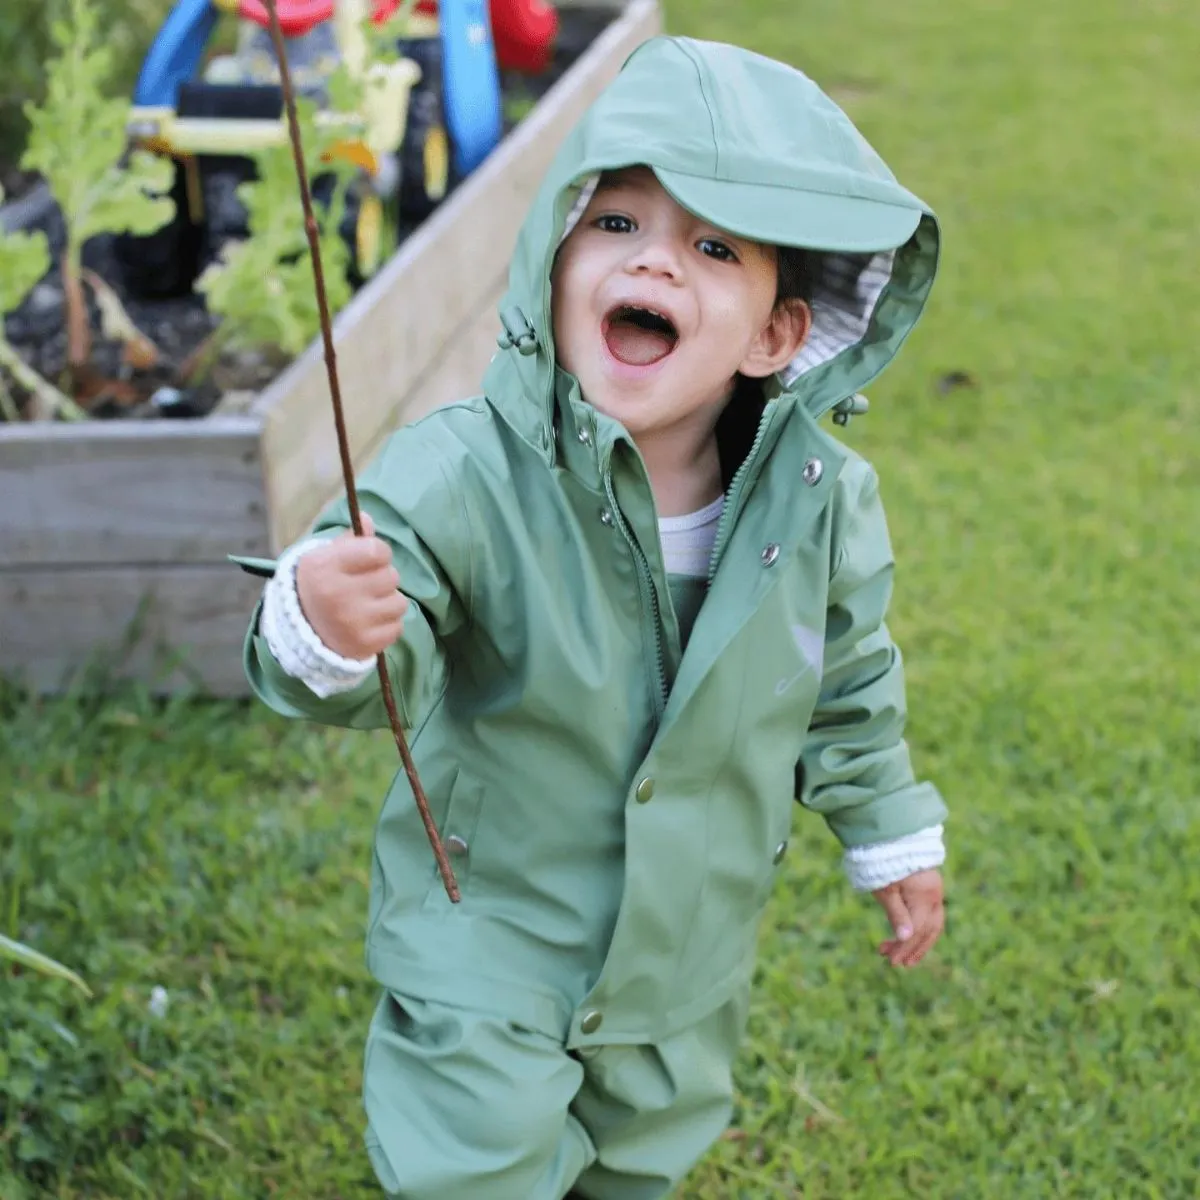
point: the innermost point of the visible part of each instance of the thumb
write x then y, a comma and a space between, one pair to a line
897, 911
368, 526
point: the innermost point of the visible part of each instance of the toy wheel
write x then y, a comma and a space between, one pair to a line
363, 227
425, 153
369, 236
164, 263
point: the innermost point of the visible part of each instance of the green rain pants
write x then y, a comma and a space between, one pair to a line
463, 1105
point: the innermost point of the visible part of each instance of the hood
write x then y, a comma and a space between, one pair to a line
756, 148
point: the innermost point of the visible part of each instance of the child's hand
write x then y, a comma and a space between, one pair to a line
348, 592
914, 907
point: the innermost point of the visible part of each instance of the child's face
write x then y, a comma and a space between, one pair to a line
656, 311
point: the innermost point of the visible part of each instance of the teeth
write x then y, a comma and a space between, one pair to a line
647, 318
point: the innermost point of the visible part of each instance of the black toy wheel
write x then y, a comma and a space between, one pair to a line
164, 263
425, 153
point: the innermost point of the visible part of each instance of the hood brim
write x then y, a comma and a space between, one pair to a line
784, 216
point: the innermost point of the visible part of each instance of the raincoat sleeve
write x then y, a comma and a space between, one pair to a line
855, 769
417, 511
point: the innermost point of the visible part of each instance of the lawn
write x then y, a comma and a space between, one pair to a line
1039, 443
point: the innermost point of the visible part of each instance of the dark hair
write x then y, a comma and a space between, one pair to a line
737, 426
797, 273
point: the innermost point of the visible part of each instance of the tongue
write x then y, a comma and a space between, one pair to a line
635, 346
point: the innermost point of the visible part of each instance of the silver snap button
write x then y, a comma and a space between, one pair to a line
813, 470
606, 518
780, 851
770, 554
456, 845
585, 437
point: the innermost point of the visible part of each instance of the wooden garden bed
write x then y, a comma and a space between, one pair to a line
113, 535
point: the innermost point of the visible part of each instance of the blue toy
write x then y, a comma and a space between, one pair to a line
471, 82
174, 58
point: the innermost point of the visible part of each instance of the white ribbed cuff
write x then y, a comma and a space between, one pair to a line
881, 863
293, 641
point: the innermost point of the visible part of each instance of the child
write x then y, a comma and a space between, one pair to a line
641, 607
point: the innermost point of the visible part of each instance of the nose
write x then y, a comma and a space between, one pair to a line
658, 258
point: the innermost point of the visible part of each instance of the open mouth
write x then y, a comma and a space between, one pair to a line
639, 337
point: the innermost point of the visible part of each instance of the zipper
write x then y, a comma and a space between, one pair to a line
646, 586
733, 498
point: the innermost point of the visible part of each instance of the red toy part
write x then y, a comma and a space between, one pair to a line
298, 17
524, 32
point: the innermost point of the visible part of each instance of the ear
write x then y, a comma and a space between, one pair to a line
780, 339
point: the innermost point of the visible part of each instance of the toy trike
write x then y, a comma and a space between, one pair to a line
428, 116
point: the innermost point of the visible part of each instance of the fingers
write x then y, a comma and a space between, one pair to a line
378, 637
922, 895
912, 951
894, 905
381, 583
349, 591
368, 527
386, 610
361, 555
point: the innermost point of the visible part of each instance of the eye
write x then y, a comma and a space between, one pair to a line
715, 248
614, 223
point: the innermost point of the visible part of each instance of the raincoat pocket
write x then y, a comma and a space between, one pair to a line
458, 830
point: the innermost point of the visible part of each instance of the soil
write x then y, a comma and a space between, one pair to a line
14, 182
117, 389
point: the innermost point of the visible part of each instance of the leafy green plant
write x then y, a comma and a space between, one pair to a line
24, 259
77, 141
25, 46
262, 288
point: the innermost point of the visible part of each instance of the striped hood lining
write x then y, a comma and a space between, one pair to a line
845, 297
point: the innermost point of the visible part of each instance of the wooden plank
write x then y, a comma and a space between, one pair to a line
458, 375
404, 320
137, 491
53, 621
452, 377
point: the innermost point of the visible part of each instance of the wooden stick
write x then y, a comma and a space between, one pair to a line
339, 420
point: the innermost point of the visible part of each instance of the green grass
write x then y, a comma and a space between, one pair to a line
1046, 522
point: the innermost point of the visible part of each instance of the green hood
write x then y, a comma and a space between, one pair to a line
758, 149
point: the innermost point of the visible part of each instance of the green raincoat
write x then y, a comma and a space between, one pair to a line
623, 803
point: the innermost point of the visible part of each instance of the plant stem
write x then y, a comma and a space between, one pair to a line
8, 406
79, 335
196, 367
56, 402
